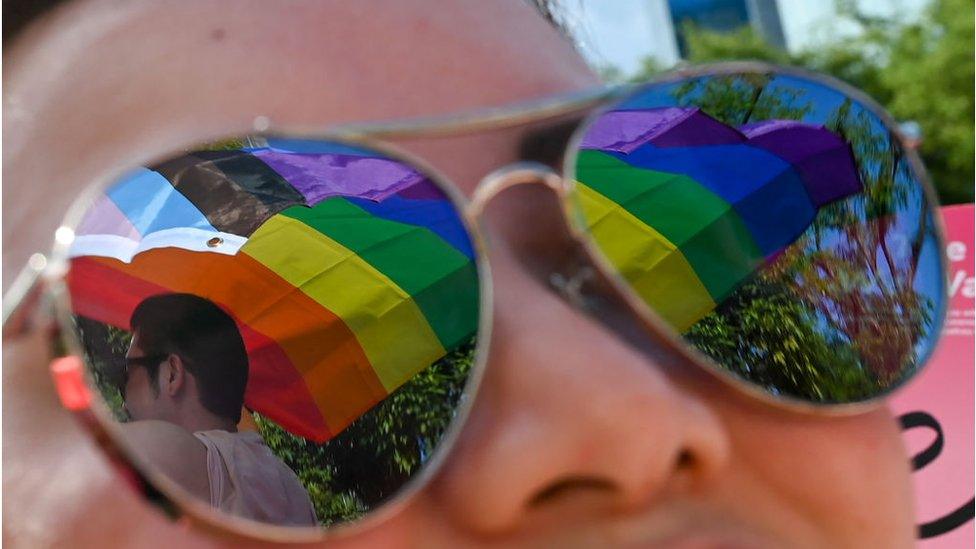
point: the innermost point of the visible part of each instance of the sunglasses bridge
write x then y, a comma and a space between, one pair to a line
512, 175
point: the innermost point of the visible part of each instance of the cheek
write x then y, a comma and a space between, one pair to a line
131, 388
847, 475
136, 394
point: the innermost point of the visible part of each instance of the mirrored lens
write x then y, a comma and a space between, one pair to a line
775, 222
306, 310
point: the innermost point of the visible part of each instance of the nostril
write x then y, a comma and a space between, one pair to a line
686, 461
568, 486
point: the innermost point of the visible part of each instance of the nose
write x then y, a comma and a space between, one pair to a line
569, 414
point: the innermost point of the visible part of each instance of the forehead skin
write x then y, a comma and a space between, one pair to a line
101, 86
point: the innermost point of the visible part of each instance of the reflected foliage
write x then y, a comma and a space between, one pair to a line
765, 333
864, 253
741, 99
104, 347
372, 458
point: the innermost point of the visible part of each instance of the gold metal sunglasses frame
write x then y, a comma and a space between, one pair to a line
47, 271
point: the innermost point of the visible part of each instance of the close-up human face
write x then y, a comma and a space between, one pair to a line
578, 435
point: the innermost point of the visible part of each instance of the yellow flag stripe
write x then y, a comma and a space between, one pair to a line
653, 265
390, 327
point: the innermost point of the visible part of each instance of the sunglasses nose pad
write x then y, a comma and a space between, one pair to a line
519, 173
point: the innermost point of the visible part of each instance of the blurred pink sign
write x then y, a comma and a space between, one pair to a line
937, 408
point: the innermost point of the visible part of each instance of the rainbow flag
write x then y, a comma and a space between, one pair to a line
346, 271
687, 208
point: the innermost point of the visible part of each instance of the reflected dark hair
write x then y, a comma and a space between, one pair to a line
17, 14
205, 338
550, 11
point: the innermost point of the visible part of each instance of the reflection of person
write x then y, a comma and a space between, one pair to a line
184, 390
575, 437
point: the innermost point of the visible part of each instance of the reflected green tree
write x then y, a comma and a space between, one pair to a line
378, 453
876, 303
767, 334
738, 100
104, 347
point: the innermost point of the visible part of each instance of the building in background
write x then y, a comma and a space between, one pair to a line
620, 34
725, 16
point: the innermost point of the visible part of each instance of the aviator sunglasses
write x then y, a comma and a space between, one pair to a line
766, 223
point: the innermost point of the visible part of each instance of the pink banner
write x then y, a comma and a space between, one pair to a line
937, 408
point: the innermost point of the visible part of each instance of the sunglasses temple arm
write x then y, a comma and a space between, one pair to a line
23, 296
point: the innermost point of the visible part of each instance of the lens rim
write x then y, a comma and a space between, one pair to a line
176, 501
661, 329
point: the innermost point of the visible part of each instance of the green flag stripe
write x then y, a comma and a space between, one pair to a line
707, 230
442, 280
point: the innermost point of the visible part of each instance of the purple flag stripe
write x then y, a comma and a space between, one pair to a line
423, 190
105, 217
625, 131
825, 162
320, 176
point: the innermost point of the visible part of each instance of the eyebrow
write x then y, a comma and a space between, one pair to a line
548, 144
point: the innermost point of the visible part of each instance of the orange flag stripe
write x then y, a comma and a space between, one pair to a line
340, 377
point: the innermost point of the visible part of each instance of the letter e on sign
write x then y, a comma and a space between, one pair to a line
956, 251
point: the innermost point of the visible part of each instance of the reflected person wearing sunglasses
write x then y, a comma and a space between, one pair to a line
588, 427
185, 405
